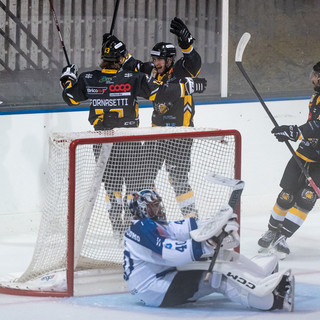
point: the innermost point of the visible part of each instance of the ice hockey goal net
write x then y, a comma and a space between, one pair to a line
77, 245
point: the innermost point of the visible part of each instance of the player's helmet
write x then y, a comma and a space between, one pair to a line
316, 70
113, 49
163, 50
147, 204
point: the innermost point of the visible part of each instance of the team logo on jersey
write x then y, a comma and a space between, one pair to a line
117, 90
88, 76
105, 79
120, 87
96, 90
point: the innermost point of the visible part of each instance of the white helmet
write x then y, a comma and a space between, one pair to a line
147, 204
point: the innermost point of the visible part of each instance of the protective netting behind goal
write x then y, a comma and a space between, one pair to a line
86, 209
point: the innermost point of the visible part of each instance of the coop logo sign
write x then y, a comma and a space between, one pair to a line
120, 89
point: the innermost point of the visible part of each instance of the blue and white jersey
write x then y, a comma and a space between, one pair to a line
151, 253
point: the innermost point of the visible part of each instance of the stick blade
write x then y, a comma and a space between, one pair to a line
225, 181
241, 46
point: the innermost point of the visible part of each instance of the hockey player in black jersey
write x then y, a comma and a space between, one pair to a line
297, 198
173, 113
113, 104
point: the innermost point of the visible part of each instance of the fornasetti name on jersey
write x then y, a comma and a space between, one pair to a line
109, 102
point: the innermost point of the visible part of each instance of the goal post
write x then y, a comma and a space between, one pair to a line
91, 175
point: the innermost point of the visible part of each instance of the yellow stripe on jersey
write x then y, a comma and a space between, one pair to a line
114, 71
188, 50
303, 157
73, 102
186, 118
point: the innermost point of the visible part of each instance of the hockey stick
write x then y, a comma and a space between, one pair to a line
114, 16
59, 32
238, 59
237, 186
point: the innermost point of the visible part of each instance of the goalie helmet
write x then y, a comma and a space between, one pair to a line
163, 50
147, 204
112, 49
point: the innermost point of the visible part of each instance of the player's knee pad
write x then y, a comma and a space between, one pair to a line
306, 199
285, 200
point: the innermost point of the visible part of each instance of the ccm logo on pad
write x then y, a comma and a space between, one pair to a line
120, 87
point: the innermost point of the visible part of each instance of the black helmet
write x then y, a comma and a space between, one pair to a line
163, 50
113, 49
147, 204
316, 67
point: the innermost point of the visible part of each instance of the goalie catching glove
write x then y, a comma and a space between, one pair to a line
178, 28
231, 240
194, 85
69, 73
285, 133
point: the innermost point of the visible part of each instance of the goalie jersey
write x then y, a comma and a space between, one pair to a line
151, 253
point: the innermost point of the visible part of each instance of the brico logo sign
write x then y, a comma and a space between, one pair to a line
97, 90
120, 87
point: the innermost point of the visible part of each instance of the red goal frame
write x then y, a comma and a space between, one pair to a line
71, 194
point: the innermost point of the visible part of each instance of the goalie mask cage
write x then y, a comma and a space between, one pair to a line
77, 251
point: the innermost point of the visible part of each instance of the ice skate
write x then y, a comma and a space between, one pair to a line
266, 239
284, 294
280, 246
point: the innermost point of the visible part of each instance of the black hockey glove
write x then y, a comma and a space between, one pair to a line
178, 28
285, 133
69, 72
192, 85
106, 37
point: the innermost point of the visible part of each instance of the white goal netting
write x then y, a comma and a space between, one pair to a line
86, 211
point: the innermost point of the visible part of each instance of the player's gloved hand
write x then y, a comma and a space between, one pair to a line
232, 240
192, 85
105, 37
69, 72
178, 28
285, 133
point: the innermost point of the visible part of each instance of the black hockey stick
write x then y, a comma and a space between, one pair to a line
237, 186
238, 59
114, 16
59, 32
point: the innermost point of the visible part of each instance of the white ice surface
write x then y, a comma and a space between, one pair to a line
263, 161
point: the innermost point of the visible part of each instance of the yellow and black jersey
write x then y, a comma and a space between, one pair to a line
309, 148
178, 112
113, 96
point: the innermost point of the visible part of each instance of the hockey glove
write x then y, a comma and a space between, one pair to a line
192, 85
106, 37
285, 133
232, 240
69, 72
178, 28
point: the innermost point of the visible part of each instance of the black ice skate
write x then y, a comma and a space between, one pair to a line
284, 293
267, 238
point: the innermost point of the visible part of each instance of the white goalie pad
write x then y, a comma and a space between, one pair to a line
252, 275
208, 228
